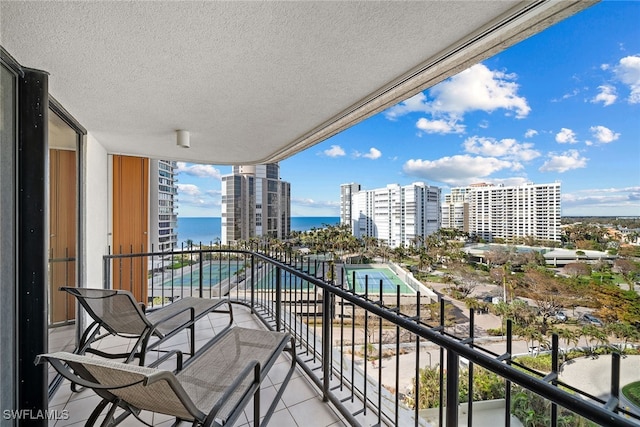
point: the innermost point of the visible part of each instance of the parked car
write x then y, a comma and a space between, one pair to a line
561, 317
590, 319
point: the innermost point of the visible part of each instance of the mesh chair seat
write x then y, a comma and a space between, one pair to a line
118, 313
211, 389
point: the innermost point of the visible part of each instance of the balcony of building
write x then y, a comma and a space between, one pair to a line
362, 370
93, 90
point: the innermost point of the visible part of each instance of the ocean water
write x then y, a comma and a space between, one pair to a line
207, 230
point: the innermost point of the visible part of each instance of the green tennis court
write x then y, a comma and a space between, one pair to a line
372, 276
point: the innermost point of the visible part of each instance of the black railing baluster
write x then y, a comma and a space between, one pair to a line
507, 388
554, 373
441, 367
326, 343
366, 341
470, 372
397, 393
380, 360
453, 377
201, 275
615, 381
417, 370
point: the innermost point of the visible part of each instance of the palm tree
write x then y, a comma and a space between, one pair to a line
593, 334
532, 334
624, 331
568, 336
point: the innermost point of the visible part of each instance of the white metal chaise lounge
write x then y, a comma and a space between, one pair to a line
211, 389
118, 313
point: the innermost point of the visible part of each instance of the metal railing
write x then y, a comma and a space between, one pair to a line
303, 295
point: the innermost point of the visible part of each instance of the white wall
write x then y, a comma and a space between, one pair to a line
96, 211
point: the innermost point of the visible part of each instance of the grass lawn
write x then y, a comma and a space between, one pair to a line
632, 392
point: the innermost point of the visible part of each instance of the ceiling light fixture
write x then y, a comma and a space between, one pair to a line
183, 139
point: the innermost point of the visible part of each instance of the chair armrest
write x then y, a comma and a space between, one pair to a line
172, 315
64, 370
166, 356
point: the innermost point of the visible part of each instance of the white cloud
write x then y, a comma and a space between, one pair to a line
417, 103
201, 171
439, 126
607, 95
189, 189
456, 170
566, 136
308, 202
479, 88
568, 95
507, 148
192, 195
334, 151
513, 181
476, 88
604, 134
564, 162
530, 133
628, 72
373, 154
607, 197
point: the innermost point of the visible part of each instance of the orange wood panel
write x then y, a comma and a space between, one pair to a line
130, 223
62, 228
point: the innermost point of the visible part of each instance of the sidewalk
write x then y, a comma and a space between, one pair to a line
593, 375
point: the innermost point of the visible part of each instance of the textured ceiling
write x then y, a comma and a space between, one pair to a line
251, 81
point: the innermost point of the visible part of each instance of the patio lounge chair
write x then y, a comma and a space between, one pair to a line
212, 389
118, 313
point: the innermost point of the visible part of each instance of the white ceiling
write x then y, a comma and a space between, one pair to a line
252, 82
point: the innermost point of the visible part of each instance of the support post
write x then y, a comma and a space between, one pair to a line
278, 299
453, 373
326, 343
32, 235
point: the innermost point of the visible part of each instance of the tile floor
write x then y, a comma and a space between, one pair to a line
300, 405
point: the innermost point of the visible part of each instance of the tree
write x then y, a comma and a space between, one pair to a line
594, 334
532, 334
568, 336
626, 267
615, 304
464, 281
624, 331
546, 293
575, 269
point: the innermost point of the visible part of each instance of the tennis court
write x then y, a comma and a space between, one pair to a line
370, 277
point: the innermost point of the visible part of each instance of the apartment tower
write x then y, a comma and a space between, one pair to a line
505, 212
346, 192
397, 215
163, 199
255, 202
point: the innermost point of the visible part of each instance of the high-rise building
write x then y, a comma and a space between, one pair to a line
346, 192
255, 202
163, 224
506, 212
397, 215
455, 209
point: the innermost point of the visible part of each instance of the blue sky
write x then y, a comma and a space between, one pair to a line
563, 105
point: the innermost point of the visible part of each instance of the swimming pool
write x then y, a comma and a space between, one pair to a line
212, 274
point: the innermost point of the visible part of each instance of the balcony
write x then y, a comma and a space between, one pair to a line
340, 379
